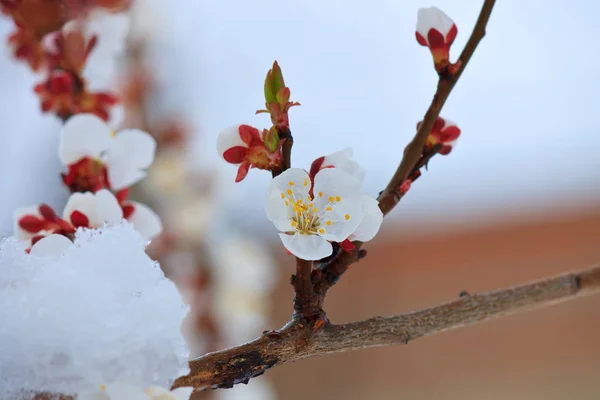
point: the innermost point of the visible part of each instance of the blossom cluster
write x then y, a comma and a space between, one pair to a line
324, 205
312, 209
58, 39
101, 165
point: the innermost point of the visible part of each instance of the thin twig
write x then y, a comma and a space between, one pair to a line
299, 340
285, 134
306, 336
391, 195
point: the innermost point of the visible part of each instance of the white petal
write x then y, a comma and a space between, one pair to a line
85, 203
343, 160
19, 232
116, 116
51, 246
372, 217
130, 153
83, 135
278, 211
294, 179
433, 17
335, 182
145, 221
307, 247
123, 391
228, 138
107, 209
344, 216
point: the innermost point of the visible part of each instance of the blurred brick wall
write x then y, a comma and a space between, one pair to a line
553, 353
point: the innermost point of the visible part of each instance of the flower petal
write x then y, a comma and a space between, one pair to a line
130, 153
19, 232
343, 219
335, 182
83, 135
294, 179
107, 209
228, 138
278, 211
307, 247
433, 18
372, 217
144, 220
343, 160
51, 246
85, 203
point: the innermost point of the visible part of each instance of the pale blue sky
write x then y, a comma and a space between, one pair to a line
527, 103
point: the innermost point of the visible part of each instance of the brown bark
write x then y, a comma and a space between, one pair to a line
301, 339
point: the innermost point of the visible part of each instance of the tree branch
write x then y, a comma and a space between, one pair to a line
309, 333
391, 195
298, 340
410, 163
286, 150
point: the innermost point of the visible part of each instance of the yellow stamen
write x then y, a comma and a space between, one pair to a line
328, 222
291, 183
347, 216
282, 196
315, 210
328, 209
338, 198
321, 231
320, 194
306, 181
331, 199
290, 192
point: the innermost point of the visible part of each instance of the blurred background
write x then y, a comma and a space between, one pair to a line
517, 199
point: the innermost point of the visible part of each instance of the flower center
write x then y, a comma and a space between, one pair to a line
87, 174
307, 219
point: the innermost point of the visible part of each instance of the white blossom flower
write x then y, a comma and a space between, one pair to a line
48, 235
340, 159
97, 157
437, 31
243, 145
311, 215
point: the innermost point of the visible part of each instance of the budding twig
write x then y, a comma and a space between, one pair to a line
309, 333
298, 340
391, 195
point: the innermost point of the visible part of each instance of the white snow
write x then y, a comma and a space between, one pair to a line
103, 312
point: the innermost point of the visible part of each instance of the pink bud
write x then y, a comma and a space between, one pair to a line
437, 31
